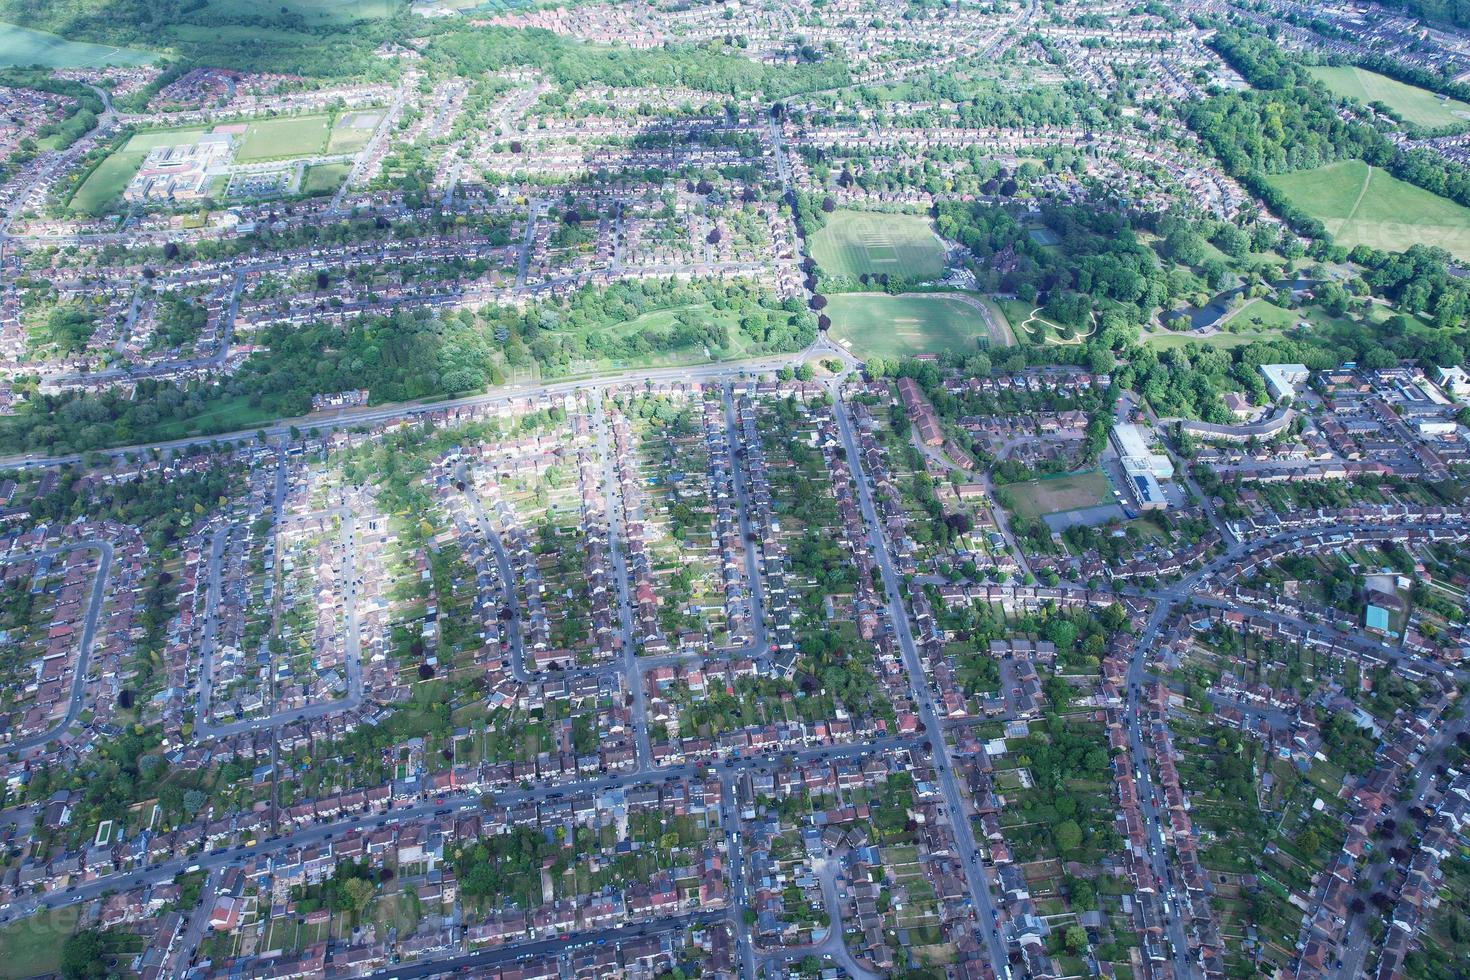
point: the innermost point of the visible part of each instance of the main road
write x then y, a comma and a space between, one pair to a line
350, 417
964, 835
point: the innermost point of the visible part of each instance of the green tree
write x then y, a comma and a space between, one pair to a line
82, 955
358, 893
1068, 836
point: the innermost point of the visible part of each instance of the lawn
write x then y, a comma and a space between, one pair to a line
314, 12
152, 138
914, 323
1362, 205
324, 178
1165, 340
104, 184
33, 945
1037, 498
1415, 105
853, 243
1035, 329
660, 322
284, 139
23, 46
229, 415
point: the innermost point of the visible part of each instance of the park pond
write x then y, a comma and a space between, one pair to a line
1218, 308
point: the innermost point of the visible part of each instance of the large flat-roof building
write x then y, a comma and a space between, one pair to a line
182, 171
1142, 467
1132, 443
1283, 380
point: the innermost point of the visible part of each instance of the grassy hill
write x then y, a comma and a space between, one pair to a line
20, 46
328, 38
1413, 104
1361, 204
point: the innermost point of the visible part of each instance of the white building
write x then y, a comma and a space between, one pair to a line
1454, 380
1282, 380
1143, 467
1436, 427
1133, 445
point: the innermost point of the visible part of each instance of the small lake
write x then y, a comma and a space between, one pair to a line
1216, 309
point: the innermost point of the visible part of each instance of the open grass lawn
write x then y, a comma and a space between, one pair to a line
914, 323
226, 416
23, 46
314, 11
852, 243
1031, 328
274, 139
1036, 498
106, 183
324, 178
660, 322
1416, 105
33, 946
1360, 204
153, 138
1164, 339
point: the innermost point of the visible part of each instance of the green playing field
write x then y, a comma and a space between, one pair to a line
854, 243
914, 323
1360, 204
1416, 105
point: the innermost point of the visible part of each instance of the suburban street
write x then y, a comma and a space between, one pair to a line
84, 648
969, 854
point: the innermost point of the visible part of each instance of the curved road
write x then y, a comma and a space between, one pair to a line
84, 652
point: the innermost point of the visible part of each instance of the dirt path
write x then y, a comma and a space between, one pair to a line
1054, 335
1362, 192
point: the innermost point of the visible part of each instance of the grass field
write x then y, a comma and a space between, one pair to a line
104, 184
1037, 498
914, 323
1362, 205
225, 416
314, 12
853, 243
1032, 328
22, 46
1416, 105
145, 141
660, 321
282, 139
1164, 339
324, 178
33, 945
